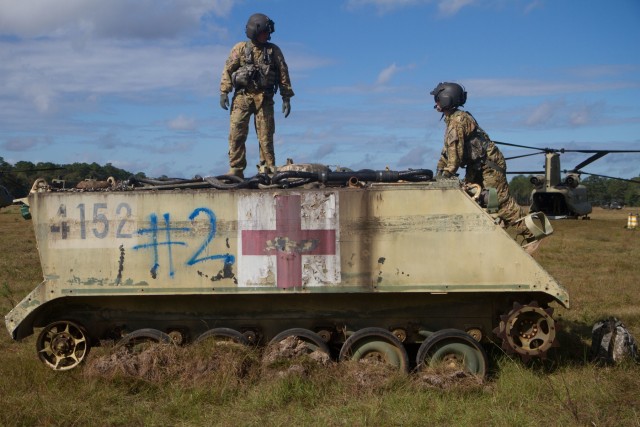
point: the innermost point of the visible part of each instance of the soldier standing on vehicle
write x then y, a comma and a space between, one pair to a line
256, 69
467, 145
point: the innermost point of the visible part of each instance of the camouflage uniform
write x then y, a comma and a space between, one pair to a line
489, 171
254, 100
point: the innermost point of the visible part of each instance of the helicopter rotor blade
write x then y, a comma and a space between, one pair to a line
598, 151
609, 177
523, 155
598, 154
522, 146
563, 150
525, 173
590, 160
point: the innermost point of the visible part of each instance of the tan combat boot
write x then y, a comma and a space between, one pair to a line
236, 172
268, 169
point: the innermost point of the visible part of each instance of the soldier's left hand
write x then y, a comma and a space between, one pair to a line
224, 100
286, 106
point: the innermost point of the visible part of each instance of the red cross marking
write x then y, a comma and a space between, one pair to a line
288, 242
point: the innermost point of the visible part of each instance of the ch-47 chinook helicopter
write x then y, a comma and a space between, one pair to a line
6, 198
559, 197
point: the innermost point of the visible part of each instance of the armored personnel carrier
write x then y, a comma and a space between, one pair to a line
390, 266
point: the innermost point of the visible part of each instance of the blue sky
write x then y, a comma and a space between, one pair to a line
135, 83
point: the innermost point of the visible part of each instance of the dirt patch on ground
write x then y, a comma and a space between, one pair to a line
370, 376
445, 379
290, 348
292, 356
213, 363
192, 365
206, 362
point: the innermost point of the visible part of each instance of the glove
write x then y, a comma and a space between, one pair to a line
224, 101
446, 174
286, 106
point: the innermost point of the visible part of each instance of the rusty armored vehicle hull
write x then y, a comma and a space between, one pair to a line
404, 271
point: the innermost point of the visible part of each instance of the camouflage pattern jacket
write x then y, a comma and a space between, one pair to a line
466, 144
277, 71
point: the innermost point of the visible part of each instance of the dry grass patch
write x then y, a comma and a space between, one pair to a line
443, 378
205, 364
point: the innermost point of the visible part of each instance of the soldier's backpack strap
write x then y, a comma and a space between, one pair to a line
494, 165
276, 68
248, 53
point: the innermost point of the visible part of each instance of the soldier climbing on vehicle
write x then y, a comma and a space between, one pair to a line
467, 145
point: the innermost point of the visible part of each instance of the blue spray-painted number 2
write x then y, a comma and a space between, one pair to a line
155, 231
228, 258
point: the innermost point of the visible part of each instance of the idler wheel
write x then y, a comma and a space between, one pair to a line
455, 350
62, 345
223, 335
313, 341
139, 339
375, 345
527, 330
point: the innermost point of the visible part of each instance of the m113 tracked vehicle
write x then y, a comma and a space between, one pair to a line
383, 265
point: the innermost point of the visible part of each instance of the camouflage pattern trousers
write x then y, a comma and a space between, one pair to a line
508, 209
245, 105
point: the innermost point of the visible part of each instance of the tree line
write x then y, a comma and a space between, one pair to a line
18, 179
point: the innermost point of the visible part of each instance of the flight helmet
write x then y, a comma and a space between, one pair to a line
449, 95
257, 23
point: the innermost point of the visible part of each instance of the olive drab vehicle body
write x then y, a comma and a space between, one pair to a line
401, 271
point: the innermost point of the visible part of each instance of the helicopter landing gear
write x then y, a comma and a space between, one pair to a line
527, 330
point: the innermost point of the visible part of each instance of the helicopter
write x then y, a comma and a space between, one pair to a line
558, 197
6, 198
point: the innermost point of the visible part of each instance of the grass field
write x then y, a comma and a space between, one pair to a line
596, 260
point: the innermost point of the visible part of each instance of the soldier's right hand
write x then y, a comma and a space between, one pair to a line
224, 101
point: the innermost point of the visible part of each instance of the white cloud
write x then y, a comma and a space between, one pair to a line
586, 115
608, 70
113, 18
451, 7
384, 6
182, 123
542, 114
173, 147
40, 96
559, 113
386, 74
416, 156
445, 7
46, 71
535, 4
324, 150
23, 144
525, 87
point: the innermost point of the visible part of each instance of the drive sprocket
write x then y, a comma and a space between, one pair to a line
528, 330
